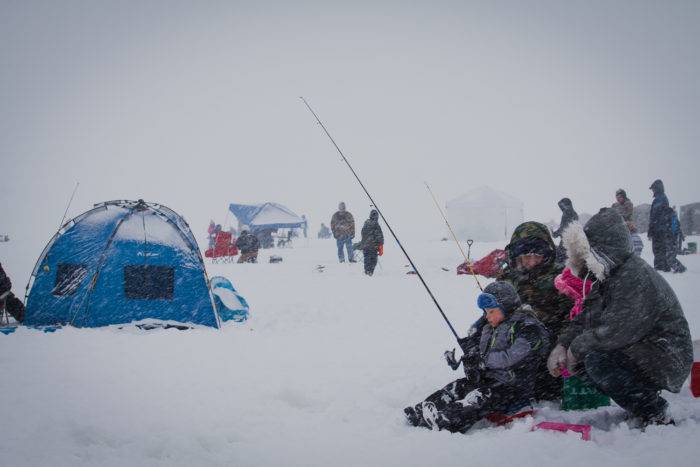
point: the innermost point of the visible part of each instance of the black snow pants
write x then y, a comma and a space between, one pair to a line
370, 257
659, 245
547, 387
665, 250
618, 377
465, 401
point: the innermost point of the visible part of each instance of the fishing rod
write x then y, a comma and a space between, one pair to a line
398, 242
466, 259
68, 206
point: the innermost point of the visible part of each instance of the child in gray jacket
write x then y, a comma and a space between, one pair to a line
499, 372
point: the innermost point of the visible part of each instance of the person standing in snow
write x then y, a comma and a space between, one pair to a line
372, 241
305, 226
343, 228
8, 301
568, 215
632, 339
660, 220
499, 376
623, 206
249, 245
324, 231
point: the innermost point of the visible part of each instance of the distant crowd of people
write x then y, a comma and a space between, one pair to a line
664, 229
248, 242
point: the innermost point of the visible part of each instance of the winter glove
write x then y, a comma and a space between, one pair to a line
451, 359
571, 362
472, 359
380, 252
557, 360
472, 374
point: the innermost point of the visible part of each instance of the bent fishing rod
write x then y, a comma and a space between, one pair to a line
466, 260
398, 242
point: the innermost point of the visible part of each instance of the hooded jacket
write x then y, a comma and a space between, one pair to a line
372, 235
660, 214
631, 307
512, 351
247, 242
536, 286
568, 215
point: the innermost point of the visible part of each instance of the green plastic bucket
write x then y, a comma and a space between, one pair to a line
579, 395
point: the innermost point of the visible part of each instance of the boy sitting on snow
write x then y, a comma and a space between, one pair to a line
500, 374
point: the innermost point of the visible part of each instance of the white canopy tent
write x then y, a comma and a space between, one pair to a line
485, 215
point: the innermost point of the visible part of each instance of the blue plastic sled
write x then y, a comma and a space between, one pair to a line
231, 305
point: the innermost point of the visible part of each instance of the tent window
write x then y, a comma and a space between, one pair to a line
149, 282
68, 278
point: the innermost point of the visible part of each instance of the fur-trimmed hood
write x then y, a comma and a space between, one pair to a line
599, 247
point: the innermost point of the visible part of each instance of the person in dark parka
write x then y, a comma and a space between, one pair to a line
660, 231
568, 215
372, 239
249, 246
8, 300
499, 377
632, 339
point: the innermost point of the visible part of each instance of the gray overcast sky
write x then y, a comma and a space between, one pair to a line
194, 105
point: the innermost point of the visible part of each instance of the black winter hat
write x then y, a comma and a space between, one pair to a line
505, 294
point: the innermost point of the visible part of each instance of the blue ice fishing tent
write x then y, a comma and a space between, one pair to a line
120, 262
266, 216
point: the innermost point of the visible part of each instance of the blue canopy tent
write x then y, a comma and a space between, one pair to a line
120, 262
266, 216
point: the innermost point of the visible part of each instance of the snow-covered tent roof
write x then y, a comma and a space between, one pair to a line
266, 216
484, 214
120, 262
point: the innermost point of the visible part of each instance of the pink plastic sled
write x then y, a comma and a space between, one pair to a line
585, 430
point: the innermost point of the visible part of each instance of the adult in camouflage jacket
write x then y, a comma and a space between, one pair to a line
531, 269
343, 228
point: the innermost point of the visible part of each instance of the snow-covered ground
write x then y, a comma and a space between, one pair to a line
318, 375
